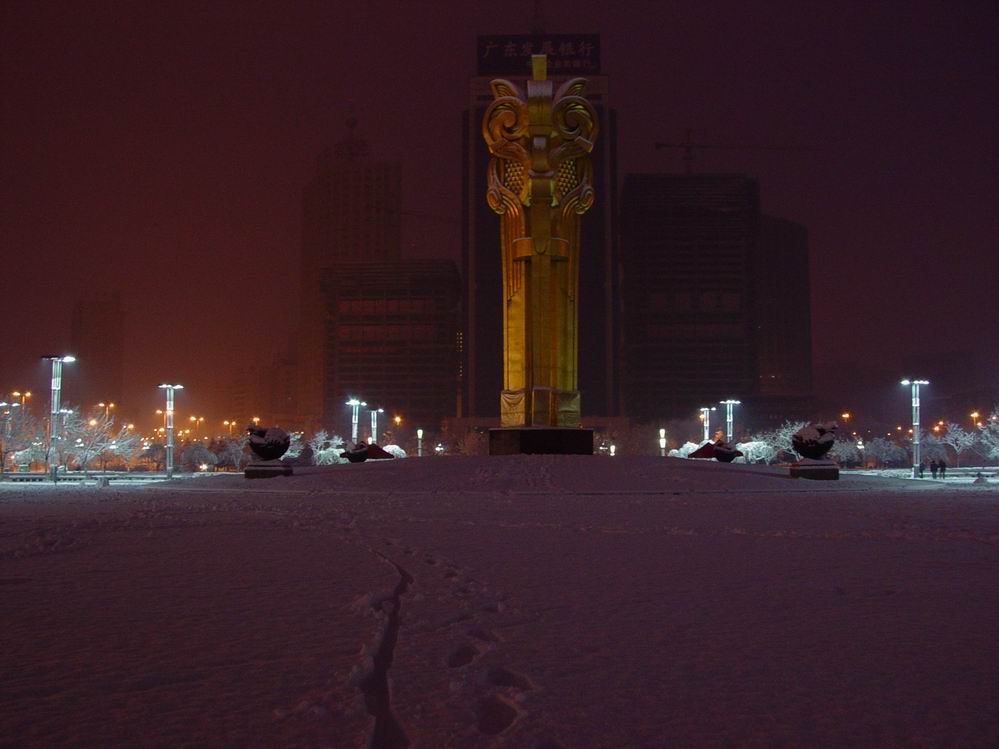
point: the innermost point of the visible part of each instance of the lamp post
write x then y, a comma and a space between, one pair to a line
706, 419
974, 418
355, 405
57, 362
915, 422
229, 425
728, 418
419, 443
374, 424
107, 409
169, 425
23, 396
662, 443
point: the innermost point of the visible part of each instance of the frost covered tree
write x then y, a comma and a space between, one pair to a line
988, 435
779, 439
931, 447
232, 452
88, 438
60, 448
885, 453
295, 446
326, 448
123, 446
845, 452
18, 431
958, 439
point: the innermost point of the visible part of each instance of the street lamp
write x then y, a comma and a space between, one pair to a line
374, 424
22, 396
355, 405
706, 419
57, 362
229, 425
662, 443
728, 418
419, 443
915, 422
974, 418
169, 425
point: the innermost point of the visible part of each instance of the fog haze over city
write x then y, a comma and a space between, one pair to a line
161, 151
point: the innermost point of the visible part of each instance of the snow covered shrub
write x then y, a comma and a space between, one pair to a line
757, 452
395, 451
686, 449
196, 455
472, 442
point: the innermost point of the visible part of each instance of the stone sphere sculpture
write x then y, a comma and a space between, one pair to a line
815, 441
268, 444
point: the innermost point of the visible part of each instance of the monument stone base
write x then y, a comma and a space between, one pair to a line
540, 441
819, 470
267, 469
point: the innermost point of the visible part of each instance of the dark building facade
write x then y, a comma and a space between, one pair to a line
715, 299
351, 211
392, 333
482, 298
97, 339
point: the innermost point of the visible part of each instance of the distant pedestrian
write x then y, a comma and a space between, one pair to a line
922, 469
943, 469
933, 468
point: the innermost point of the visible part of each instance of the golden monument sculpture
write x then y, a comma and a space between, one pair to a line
540, 184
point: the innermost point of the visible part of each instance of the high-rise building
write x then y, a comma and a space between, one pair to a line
715, 299
392, 339
351, 211
97, 339
508, 56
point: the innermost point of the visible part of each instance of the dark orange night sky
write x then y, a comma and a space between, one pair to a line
161, 149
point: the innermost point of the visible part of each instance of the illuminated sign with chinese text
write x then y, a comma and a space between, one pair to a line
568, 54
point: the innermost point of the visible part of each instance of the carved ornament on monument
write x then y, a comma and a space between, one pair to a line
540, 182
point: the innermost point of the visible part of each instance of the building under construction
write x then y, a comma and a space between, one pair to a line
715, 299
688, 251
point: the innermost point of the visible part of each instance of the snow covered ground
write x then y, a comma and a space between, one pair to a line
523, 601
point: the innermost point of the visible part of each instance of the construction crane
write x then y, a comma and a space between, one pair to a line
688, 145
